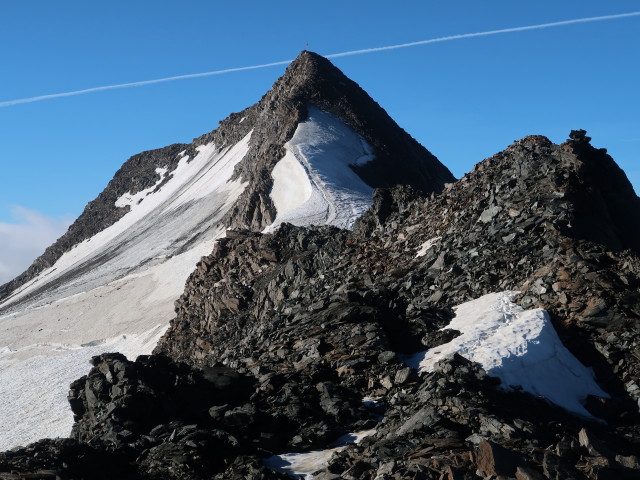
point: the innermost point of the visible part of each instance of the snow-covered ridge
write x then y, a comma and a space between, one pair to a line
518, 346
314, 182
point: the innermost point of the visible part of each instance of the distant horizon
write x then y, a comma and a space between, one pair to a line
463, 100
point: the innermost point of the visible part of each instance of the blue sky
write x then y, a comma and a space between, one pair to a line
464, 100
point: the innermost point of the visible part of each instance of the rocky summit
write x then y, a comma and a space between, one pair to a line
314, 351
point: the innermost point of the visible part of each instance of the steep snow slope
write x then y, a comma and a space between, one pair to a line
518, 346
148, 233
314, 182
114, 291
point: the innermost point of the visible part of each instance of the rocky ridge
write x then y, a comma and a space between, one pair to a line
278, 338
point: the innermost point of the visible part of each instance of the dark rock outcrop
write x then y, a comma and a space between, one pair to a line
121, 400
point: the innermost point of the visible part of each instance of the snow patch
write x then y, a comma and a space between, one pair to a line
426, 246
314, 182
370, 401
133, 199
518, 346
291, 185
305, 464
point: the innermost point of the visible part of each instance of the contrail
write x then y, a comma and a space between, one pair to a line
484, 34
9, 103
138, 84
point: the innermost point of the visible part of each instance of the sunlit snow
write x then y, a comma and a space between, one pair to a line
518, 346
45, 373
426, 246
108, 292
314, 182
153, 229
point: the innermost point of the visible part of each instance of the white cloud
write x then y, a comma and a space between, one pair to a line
24, 239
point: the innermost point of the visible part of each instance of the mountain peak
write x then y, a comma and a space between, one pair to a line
312, 81
311, 151
312, 63
311, 69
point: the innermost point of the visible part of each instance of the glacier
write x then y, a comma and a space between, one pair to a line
109, 292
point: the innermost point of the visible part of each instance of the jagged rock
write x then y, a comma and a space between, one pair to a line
65, 459
594, 446
120, 400
492, 459
311, 320
527, 473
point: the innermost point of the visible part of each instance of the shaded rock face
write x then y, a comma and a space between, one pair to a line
309, 80
605, 201
134, 404
277, 339
120, 400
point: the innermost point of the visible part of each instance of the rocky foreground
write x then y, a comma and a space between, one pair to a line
284, 342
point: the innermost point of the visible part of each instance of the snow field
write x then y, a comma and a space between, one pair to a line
42, 382
518, 346
117, 294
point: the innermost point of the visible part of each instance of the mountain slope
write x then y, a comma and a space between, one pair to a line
336, 305
113, 277
309, 80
